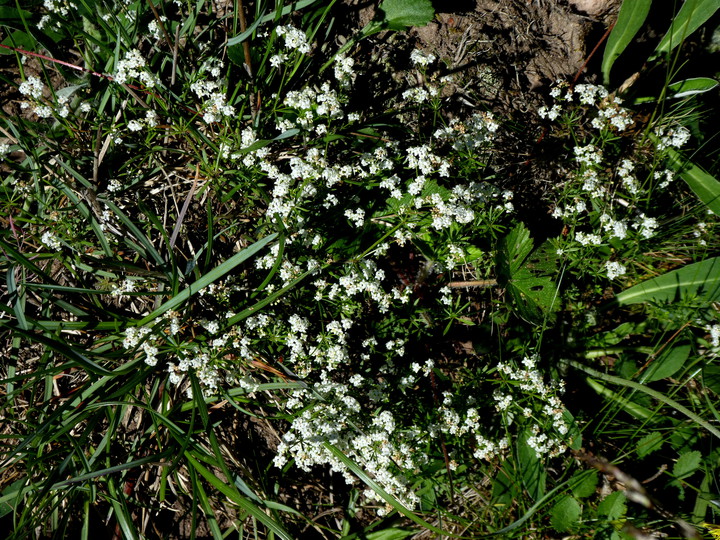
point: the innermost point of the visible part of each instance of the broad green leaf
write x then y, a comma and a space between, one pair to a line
711, 377
630, 19
700, 280
690, 17
505, 490
704, 185
613, 506
399, 14
11, 495
669, 363
649, 444
690, 87
531, 467
687, 464
527, 275
565, 514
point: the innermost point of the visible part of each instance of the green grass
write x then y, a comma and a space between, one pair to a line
241, 301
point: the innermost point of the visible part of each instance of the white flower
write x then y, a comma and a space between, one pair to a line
278, 60
294, 38
419, 58
50, 240
614, 269
32, 87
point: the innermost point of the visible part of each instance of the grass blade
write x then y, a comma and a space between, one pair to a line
209, 278
235, 496
362, 475
649, 391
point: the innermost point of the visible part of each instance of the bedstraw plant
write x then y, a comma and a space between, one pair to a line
235, 293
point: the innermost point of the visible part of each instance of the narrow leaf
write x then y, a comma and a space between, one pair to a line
533, 469
210, 277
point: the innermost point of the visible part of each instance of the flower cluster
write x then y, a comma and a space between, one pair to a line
605, 201
134, 66
212, 92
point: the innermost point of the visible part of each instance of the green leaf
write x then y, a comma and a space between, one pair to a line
565, 514
711, 377
531, 467
690, 87
628, 405
390, 534
669, 363
687, 464
212, 276
526, 275
699, 420
700, 280
613, 506
586, 483
400, 14
630, 19
704, 185
649, 444
690, 17
11, 496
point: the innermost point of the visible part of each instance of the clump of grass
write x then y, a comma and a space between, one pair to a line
198, 243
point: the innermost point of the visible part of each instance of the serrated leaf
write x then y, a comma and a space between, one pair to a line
691, 87
691, 16
669, 363
586, 483
400, 14
687, 464
700, 280
525, 274
630, 19
613, 506
649, 444
515, 248
565, 514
